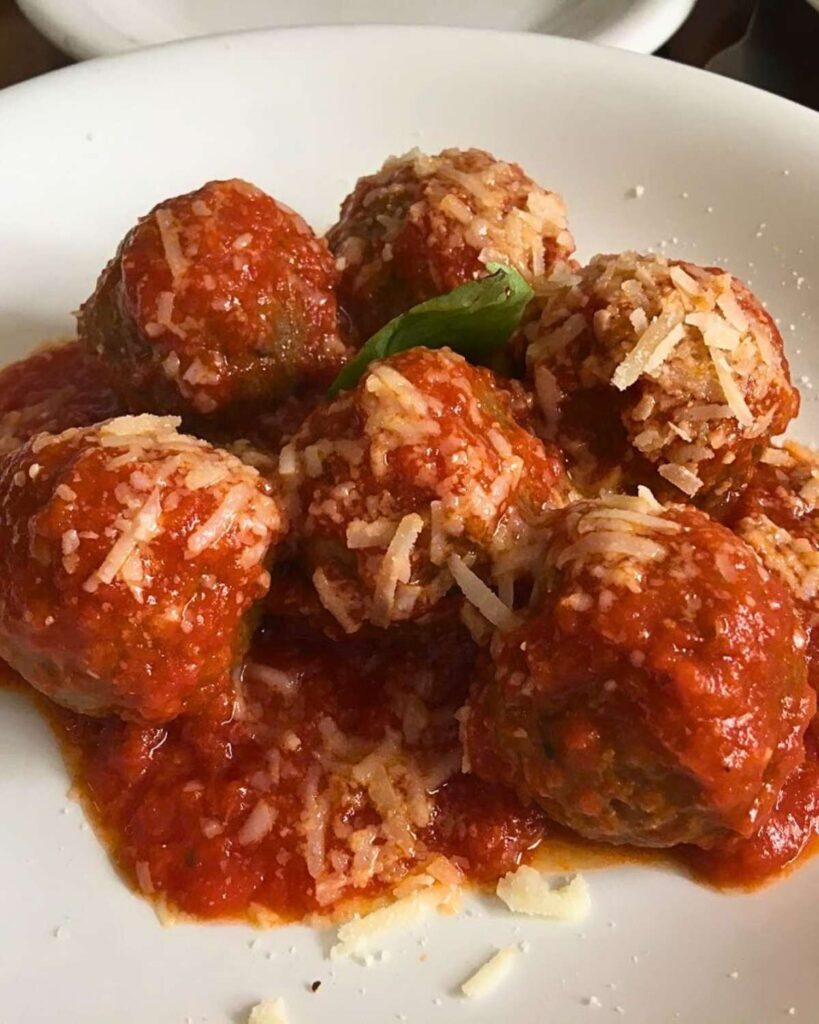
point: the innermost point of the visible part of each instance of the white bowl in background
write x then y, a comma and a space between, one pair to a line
93, 28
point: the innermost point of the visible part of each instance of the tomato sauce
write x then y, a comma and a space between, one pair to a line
171, 802
790, 833
55, 387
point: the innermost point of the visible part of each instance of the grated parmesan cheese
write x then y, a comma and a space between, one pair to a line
479, 594
133, 426
610, 543
684, 281
142, 528
777, 457
730, 388
376, 534
732, 311
654, 338
169, 234
716, 333
638, 319
681, 477
270, 1011
404, 390
708, 412
527, 891
362, 937
288, 464
491, 974
144, 880
615, 517
645, 501
664, 349
257, 825
220, 521
331, 595
396, 566
558, 339
794, 559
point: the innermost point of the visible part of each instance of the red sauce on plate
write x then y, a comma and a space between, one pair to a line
171, 802
156, 795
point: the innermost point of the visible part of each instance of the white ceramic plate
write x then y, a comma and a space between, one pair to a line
93, 28
729, 175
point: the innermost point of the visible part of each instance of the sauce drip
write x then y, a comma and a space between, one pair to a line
791, 832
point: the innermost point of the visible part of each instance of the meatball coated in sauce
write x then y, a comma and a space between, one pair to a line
778, 515
423, 225
56, 387
656, 693
217, 303
667, 373
419, 474
132, 555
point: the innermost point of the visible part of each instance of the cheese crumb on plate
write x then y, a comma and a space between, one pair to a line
270, 1011
362, 937
527, 891
491, 974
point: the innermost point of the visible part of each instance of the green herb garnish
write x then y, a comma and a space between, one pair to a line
476, 319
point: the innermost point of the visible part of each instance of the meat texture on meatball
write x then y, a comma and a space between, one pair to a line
418, 476
423, 225
778, 515
671, 371
656, 693
132, 554
56, 387
218, 303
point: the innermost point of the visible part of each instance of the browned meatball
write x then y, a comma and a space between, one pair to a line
217, 303
778, 515
423, 225
656, 693
419, 475
131, 556
667, 373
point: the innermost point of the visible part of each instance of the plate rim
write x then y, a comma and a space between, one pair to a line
78, 29
687, 73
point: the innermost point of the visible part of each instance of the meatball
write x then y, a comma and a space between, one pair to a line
423, 225
778, 515
56, 387
131, 556
656, 692
418, 475
673, 371
218, 303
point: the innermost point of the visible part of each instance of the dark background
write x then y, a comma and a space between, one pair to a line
771, 43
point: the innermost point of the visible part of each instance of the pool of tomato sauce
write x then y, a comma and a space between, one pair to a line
151, 792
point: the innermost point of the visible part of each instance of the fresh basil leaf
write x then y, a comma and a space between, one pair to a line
476, 319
